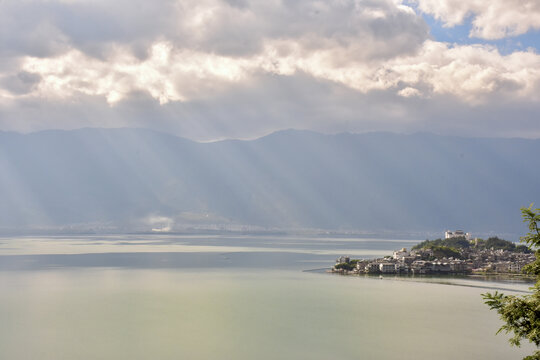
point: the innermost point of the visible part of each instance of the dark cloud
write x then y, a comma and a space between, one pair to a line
21, 83
227, 27
41, 29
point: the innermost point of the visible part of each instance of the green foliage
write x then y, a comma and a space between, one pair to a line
455, 243
535, 356
522, 249
499, 244
459, 243
496, 243
533, 268
444, 251
532, 217
426, 243
521, 314
345, 266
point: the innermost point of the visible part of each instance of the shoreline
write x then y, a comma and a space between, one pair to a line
480, 276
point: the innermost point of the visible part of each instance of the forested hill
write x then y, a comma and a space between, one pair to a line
289, 179
460, 243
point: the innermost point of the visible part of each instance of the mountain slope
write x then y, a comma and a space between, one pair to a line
288, 179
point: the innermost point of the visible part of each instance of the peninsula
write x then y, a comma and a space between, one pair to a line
452, 255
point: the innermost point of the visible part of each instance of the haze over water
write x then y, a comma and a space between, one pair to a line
232, 297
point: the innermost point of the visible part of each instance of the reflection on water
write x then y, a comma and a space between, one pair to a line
196, 243
242, 304
498, 283
176, 251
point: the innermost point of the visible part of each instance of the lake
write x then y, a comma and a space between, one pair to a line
233, 297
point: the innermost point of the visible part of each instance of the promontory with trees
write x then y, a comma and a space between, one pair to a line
455, 255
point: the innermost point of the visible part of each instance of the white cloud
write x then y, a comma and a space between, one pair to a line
409, 92
469, 72
491, 19
167, 74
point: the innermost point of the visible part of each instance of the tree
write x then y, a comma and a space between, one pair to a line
444, 251
521, 314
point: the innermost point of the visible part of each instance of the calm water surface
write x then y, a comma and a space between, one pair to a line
186, 297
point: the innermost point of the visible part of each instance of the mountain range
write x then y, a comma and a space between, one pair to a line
140, 179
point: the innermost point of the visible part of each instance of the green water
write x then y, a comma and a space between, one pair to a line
98, 312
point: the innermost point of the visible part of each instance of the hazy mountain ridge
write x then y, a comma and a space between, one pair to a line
290, 179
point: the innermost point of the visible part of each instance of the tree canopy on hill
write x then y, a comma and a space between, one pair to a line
456, 243
500, 244
445, 252
493, 243
346, 266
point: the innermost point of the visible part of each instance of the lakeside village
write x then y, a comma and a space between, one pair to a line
456, 254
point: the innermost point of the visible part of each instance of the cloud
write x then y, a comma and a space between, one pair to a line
20, 83
272, 102
469, 72
409, 92
45, 28
113, 49
491, 19
473, 73
211, 69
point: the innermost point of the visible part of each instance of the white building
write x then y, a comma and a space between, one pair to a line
372, 267
399, 254
387, 268
456, 233
515, 267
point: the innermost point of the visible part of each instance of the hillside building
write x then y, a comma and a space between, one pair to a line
456, 233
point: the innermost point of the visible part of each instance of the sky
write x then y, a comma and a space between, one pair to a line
215, 69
